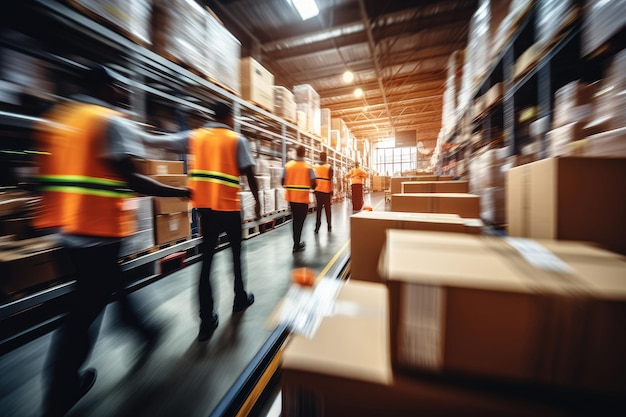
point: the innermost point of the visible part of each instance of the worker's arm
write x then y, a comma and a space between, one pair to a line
246, 165
254, 188
123, 147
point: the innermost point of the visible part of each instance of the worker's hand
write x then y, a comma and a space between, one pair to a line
257, 210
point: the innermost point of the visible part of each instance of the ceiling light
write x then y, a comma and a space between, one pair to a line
358, 93
306, 8
348, 76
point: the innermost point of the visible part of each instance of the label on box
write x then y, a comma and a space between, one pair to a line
174, 225
538, 256
161, 169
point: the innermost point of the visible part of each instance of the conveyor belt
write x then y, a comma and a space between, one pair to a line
183, 377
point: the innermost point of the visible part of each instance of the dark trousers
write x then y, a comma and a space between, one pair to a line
213, 223
98, 276
357, 196
323, 201
298, 212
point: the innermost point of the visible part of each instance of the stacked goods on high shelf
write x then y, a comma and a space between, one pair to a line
553, 18
191, 36
257, 84
449, 113
467, 305
506, 19
178, 32
308, 102
590, 119
603, 20
486, 179
171, 214
223, 52
284, 104
130, 17
339, 133
325, 126
569, 198
363, 151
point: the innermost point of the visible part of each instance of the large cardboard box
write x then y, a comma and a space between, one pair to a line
171, 227
344, 370
173, 180
463, 204
569, 198
158, 167
368, 231
533, 312
396, 182
166, 205
435, 187
257, 84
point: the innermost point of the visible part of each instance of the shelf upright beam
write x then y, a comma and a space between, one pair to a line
509, 103
283, 145
544, 98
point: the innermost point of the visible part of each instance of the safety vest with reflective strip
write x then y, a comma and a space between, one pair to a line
49, 212
357, 175
91, 198
297, 181
322, 178
214, 177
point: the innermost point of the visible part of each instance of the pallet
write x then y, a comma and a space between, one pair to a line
183, 64
254, 103
222, 85
249, 231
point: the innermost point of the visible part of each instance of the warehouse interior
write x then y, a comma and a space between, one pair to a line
484, 274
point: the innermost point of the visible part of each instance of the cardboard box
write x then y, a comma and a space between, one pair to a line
320, 379
257, 84
157, 167
569, 198
30, 263
171, 227
463, 204
435, 187
511, 310
173, 180
166, 205
396, 182
368, 231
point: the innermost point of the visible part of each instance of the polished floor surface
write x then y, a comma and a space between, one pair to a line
183, 377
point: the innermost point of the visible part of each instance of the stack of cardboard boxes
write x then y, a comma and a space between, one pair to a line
171, 214
466, 324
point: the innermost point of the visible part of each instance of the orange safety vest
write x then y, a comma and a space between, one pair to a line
49, 210
297, 181
214, 178
88, 196
322, 178
357, 175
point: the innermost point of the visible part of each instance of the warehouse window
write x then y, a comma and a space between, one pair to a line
388, 160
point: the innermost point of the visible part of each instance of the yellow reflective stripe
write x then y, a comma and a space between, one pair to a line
216, 181
215, 173
82, 178
86, 191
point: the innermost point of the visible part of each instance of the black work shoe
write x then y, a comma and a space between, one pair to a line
317, 230
330, 229
207, 328
86, 379
242, 304
299, 247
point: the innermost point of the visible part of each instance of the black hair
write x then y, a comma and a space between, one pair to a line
222, 110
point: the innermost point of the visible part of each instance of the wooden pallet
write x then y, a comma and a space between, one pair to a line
250, 231
222, 85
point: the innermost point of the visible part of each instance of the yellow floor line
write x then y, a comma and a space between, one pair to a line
331, 262
275, 363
